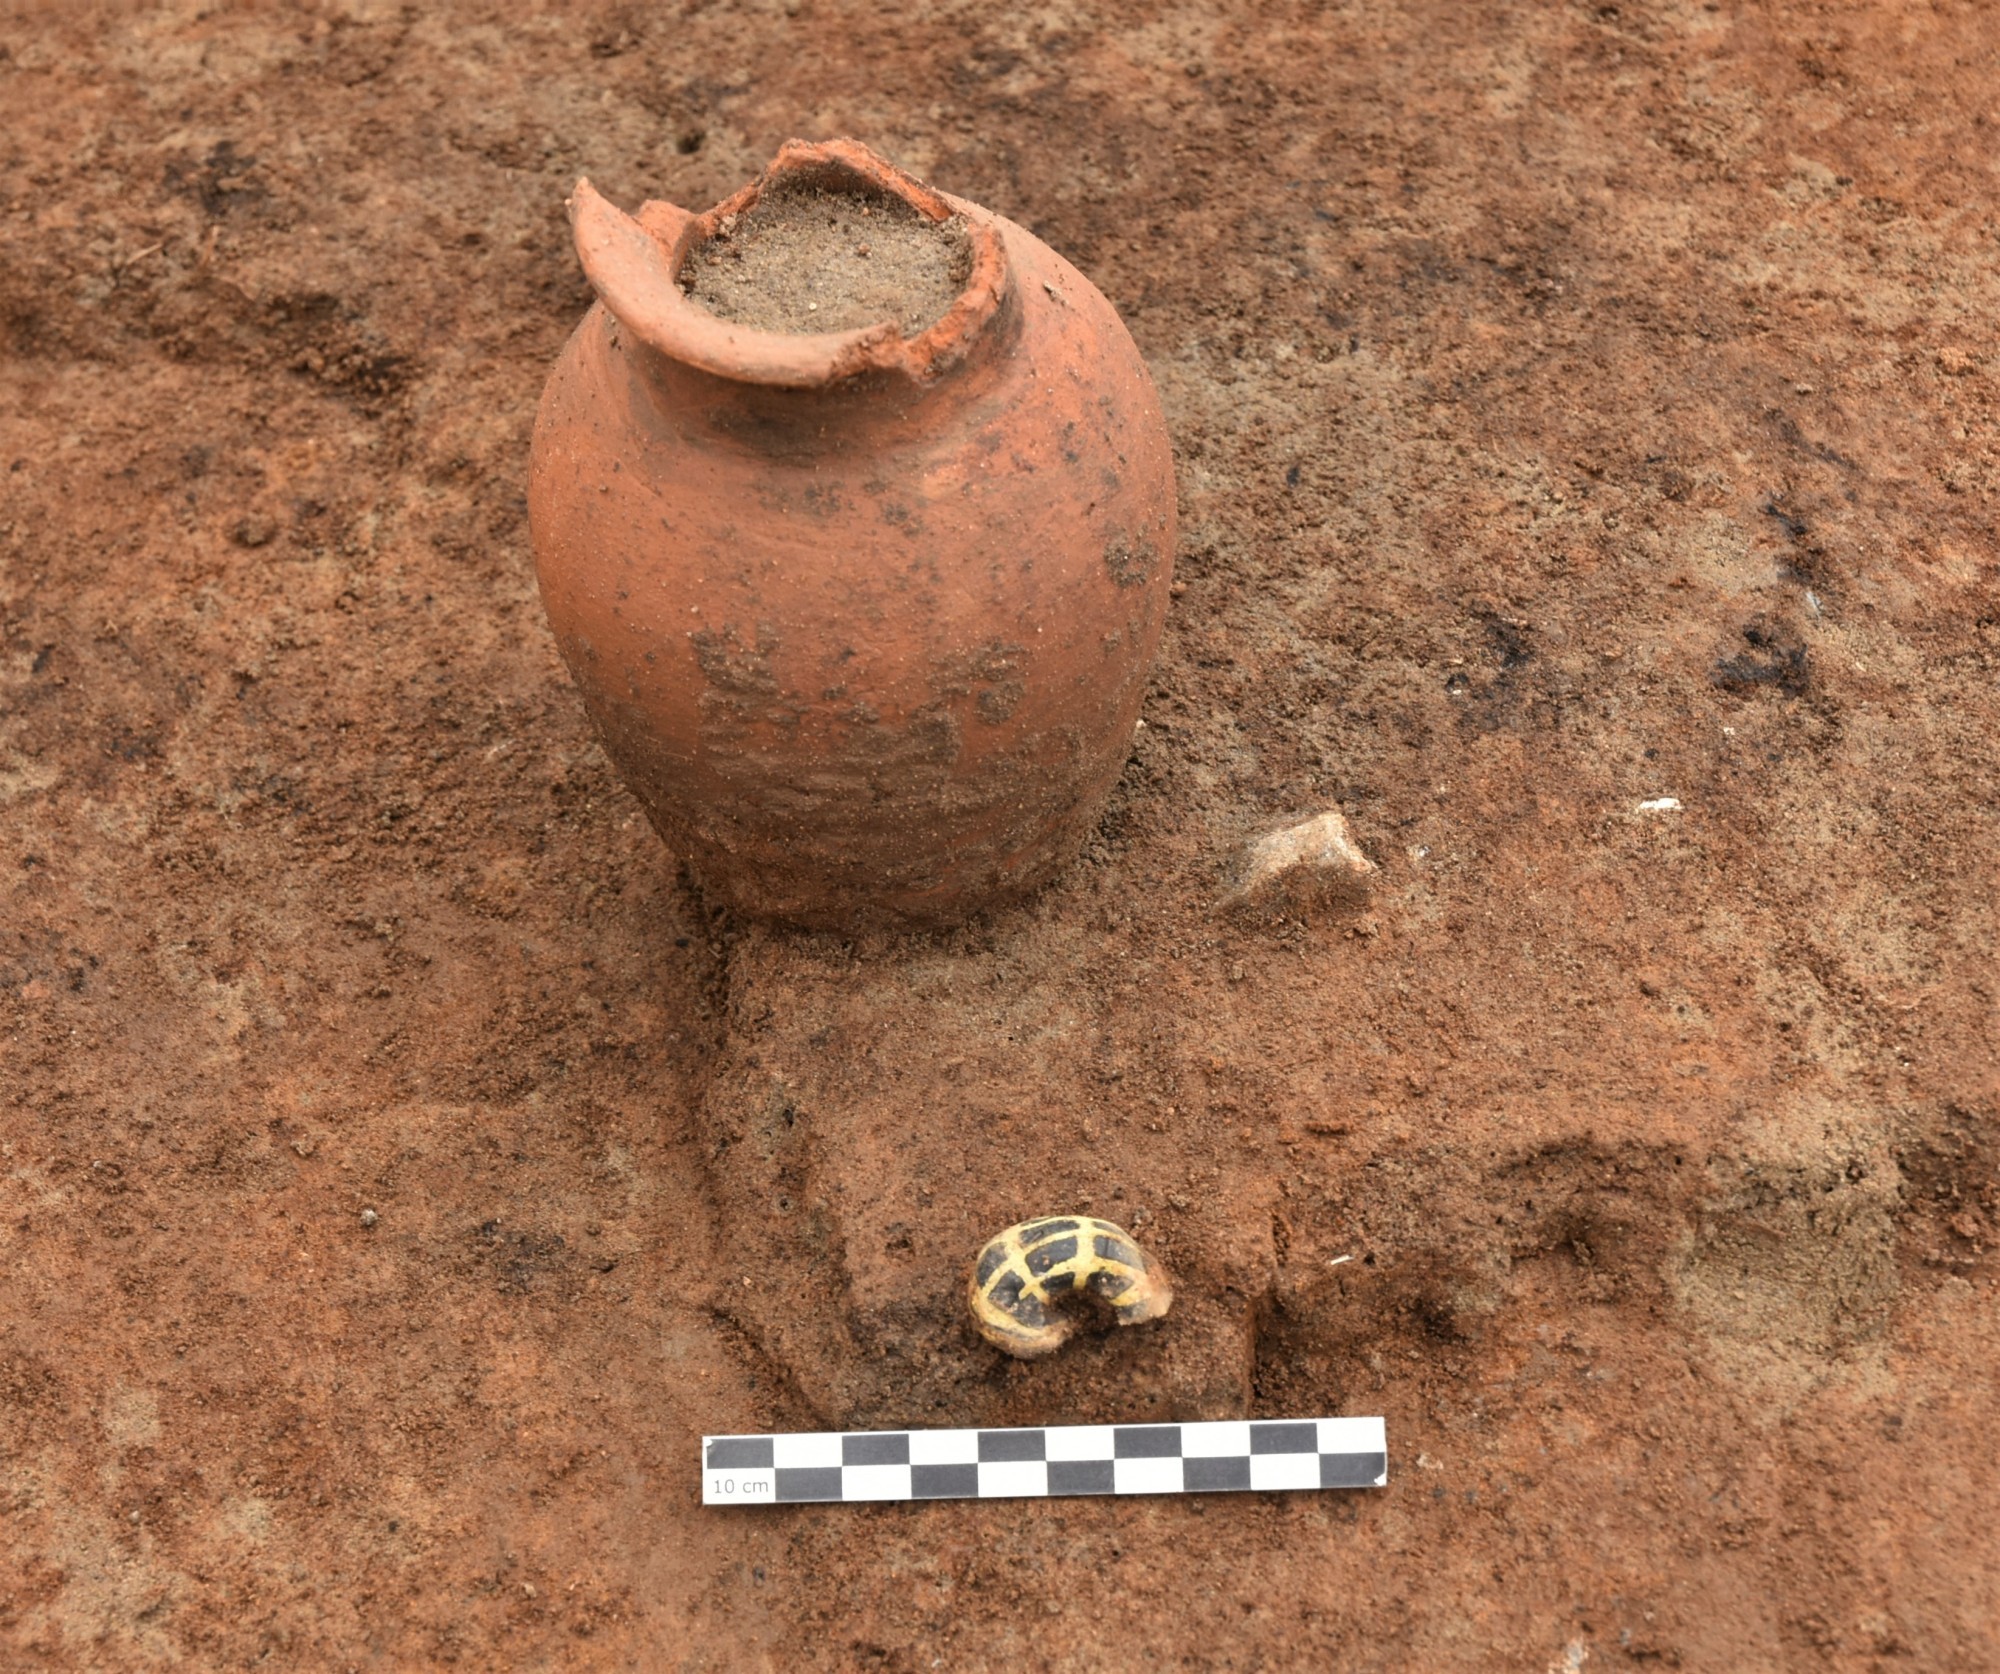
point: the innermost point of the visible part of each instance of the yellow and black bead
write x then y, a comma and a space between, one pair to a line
1025, 1276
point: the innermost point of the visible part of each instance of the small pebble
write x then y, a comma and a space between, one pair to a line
369, 1217
1314, 862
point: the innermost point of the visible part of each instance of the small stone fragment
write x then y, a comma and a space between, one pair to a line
1314, 863
369, 1217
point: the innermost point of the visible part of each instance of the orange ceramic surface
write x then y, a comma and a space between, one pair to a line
864, 621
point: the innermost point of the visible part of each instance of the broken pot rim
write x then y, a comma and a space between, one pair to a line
634, 264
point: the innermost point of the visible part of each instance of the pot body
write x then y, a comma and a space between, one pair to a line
871, 653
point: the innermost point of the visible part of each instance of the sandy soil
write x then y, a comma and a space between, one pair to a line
812, 261
1577, 406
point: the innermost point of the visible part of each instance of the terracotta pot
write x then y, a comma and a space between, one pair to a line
864, 621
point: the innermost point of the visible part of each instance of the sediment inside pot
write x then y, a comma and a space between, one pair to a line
809, 259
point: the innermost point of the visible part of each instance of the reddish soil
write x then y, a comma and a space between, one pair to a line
1576, 405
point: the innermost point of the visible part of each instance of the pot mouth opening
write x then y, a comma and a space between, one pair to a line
737, 292
823, 250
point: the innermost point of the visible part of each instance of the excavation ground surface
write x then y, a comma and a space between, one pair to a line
1584, 416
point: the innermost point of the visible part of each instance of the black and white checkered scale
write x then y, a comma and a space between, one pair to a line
1045, 1461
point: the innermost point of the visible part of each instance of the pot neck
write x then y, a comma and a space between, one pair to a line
634, 264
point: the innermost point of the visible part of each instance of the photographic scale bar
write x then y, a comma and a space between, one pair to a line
1045, 1462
